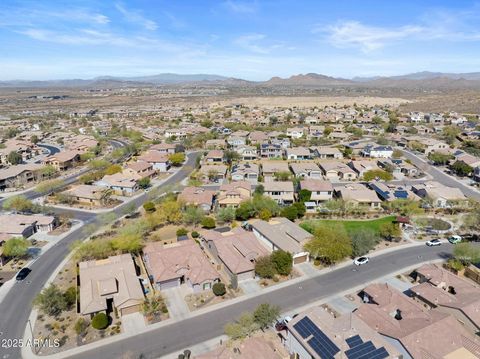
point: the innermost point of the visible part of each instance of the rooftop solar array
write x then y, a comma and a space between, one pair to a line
354, 341
360, 350
320, 343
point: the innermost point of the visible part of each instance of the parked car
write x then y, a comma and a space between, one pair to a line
455, 239
23, 274
361, 260
282, 323
434, 242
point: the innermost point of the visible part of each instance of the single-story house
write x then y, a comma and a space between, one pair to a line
21, 225
358, 194
335, 170
213, 173
440, 194
197, 196
298, 153
124, 184
306, 170
245, 172
87, 194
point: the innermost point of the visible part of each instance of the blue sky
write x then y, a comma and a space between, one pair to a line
55, 39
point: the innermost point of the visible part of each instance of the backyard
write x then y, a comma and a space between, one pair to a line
351, 226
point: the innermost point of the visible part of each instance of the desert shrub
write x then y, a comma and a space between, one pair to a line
100, 321
219, 289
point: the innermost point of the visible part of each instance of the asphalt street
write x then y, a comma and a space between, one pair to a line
15, 307
186, 333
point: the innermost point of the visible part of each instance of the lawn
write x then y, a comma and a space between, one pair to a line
349, 225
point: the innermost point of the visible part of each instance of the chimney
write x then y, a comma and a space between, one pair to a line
398, 314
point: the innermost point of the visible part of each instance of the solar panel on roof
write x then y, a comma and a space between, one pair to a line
360, 350
354, 341
302, 329
380, 353
320, 347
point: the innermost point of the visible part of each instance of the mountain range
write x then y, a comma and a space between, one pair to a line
423, 79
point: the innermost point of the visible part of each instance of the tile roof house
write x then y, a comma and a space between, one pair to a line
110, 280
325, 152
245, 172
281, 191
271, 150
390, 192
183, 262
63, 160
321, 190
363, 166
440, 194
280, 233
377, 151
214, 156
123, 183
158, 160
317, 334
237, 250
142, 169
247, 153
87, 194
269, 168
232, 194
335, 170
20, 225
168, 148
197, 196
358, 194
449, 293
298, 153
213, 173
306, 170
19, 175
423, 333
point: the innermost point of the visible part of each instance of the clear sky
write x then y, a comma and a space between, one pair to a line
258, 39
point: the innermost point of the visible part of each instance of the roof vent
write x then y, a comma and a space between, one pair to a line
398, 314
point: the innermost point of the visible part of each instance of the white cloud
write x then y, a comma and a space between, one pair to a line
136, 17
241, 7
254, 43
367, 38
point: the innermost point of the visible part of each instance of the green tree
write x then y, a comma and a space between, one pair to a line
177, 159
51, 301
70, 296
461, 169
265, 214
149, 207
450, 133
282, 176
231, 156
390, 230
283, 261
330, 244
304, 195
377, 174
15, 247
264, 267
289, 212
14, 158
466, 253
301, 210
193, 215
363, 240
241, 328
259, 190
49, 186
219, 289
226, 214
18, 203
48, 171
397, 154
112, 169
100, 321
208, 222
439, 158
34, 139
144, 182
266, 314
98, 164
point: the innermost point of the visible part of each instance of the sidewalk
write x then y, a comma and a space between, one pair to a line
27, 353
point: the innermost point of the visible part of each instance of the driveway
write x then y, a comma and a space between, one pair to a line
174, 297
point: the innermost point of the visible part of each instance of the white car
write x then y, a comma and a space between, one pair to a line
361, 260
434, 242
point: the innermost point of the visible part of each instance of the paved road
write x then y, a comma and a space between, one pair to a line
51, 148
15, 307
440, 176
186, 333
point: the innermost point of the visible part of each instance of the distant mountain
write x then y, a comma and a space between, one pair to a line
424, 75
310, 79
167, 78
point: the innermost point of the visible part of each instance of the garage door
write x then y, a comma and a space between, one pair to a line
300, 259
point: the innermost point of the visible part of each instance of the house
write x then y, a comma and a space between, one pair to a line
237, 251
110, 283
87, 194
179, 263
397, 166
421, 332
441, 195
157, 159
247, 153
26, 149
298, 153
377, 151
141, 169
21, 225
197, 196
335, 171
306, 170
318, 334
449, 293
280, 191
165, 148
363, 166
280, 233
270, 168
325, 152
213, 173
63, 160
245, 172
19, 175
358, 194
390, 192
295, 132
122, 183
257, 137
321, 190
467, 158
232, 194
236, 141
216, 144
270, 150
80, 143
215, 157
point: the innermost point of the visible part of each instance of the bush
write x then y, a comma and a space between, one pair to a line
100, 321
149, 207
219, 289
71, 296
264, 267
181, 232
208, 222
195, 234
282, 261
81, 326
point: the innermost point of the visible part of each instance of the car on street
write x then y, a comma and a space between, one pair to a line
455, 239
434, 242
361, 260
23, 274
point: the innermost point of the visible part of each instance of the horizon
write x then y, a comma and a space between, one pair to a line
252, 40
